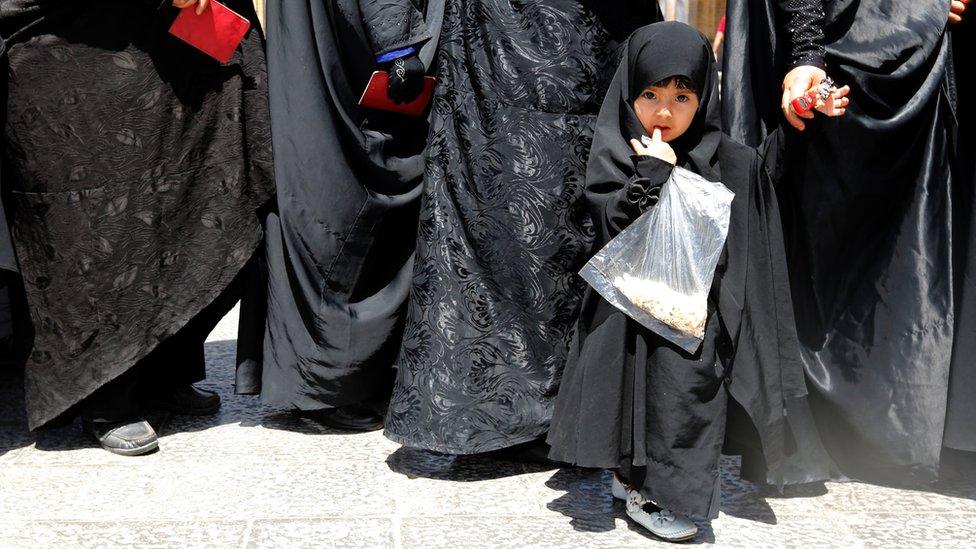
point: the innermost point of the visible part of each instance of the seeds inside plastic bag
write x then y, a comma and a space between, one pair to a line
682, 312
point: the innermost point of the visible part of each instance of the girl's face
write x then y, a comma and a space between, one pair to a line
669, 108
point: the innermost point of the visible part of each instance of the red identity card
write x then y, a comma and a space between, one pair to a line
216, 32
375, 97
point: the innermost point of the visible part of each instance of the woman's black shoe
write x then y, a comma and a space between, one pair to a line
348, 418
188, 400
123, 438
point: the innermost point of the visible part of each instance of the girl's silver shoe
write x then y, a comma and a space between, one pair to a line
662, 523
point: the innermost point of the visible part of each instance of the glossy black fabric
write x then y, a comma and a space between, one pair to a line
630, 399
960, 429
136, 167
502, 228
340, 245
867, 212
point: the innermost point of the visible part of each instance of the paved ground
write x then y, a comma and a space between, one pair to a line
256, 477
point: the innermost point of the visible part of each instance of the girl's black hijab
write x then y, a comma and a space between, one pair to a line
651, 54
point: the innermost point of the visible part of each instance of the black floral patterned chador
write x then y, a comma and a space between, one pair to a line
502, 227
135, 168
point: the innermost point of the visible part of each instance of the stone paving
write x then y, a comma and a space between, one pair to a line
253, 476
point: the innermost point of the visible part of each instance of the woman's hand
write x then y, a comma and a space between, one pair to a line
836, 103
201, 4
655, 147
406, 79
957, 9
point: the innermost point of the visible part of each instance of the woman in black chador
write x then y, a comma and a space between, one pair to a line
960, 430
502, 228
868, 202
340, 242
134, 167
629, 399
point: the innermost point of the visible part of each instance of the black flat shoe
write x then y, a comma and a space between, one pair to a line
189, 401
123, 438
535, 452
348, 418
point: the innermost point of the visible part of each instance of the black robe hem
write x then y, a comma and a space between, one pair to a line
464, 450
38, 421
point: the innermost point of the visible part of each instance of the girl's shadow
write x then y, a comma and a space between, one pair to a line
591, 507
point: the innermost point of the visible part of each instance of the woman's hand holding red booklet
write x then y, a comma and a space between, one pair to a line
375, 96
216, 31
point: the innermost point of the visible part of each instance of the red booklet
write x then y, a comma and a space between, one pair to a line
216, 32
374, 96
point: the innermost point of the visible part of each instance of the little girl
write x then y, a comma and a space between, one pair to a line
630, 400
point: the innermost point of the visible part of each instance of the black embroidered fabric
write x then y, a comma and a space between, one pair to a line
502, 227
136, 167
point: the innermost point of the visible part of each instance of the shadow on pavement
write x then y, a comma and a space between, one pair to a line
590, 506
418, 463
13, 415
586, 501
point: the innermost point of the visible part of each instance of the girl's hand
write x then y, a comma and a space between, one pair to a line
655, 147
201, 4
836, 103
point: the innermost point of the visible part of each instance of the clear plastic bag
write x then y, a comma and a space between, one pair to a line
659, 270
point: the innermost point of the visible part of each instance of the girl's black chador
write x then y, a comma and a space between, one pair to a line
629, 399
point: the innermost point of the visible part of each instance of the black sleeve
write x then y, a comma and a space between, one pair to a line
638, 195
802, 23
392, 24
